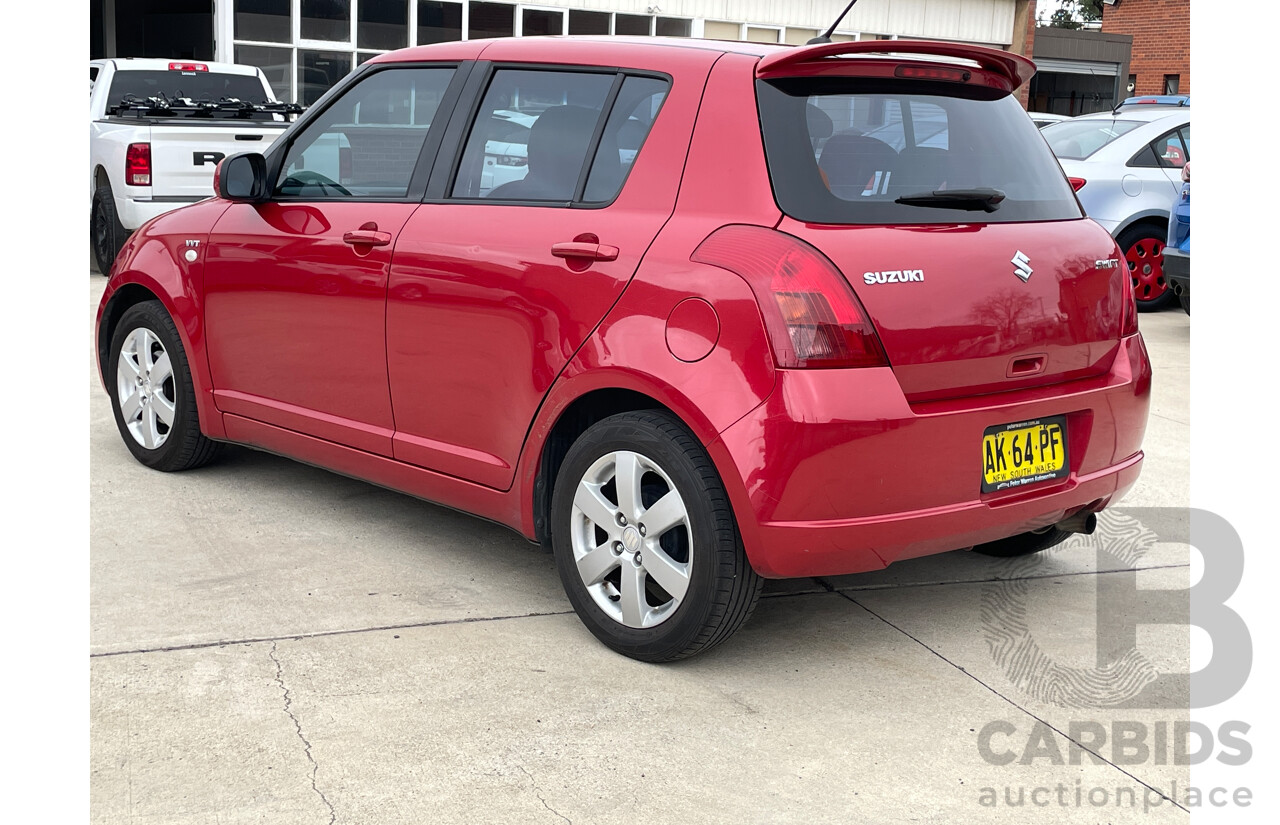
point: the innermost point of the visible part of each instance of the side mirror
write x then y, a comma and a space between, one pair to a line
243, 178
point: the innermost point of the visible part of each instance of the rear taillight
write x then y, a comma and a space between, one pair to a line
137, 164
1077, 183
813, 318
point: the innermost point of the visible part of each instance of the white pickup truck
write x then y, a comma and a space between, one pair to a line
157, 129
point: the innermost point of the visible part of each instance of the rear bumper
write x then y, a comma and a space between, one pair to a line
1177, 269
838, 473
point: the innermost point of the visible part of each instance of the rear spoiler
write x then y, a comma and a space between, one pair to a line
1000, 69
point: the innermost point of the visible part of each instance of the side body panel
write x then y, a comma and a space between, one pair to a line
482, 317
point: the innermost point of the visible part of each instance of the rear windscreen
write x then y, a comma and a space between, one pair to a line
845, 150
210, 87
1078, 139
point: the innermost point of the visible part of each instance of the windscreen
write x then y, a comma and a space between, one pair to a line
1078, 139
210, 87
849, 150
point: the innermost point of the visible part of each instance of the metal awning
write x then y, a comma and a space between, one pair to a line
1049, 64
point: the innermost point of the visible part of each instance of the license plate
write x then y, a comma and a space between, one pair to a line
1030, 452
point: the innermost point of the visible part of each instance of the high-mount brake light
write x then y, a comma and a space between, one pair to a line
137, 164
813, 318
933, 73
188, 67
1077, 183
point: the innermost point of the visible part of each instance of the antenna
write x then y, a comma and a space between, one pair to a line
825, 37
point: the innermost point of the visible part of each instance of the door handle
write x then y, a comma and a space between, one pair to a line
590, 251
366, 237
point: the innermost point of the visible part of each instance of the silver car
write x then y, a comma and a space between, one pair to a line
1126, 167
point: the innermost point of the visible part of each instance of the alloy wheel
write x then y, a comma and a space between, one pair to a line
145, 388
631, 539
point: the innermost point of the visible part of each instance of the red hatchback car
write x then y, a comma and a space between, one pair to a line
692, 313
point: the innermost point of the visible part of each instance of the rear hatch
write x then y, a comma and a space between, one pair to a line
935, 195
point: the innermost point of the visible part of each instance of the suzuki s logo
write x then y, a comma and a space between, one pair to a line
1022, 266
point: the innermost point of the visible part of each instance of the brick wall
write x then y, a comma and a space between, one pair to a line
1161, 31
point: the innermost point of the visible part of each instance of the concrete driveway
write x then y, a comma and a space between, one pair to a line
273, 643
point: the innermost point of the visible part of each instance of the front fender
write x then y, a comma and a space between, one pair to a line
153, 264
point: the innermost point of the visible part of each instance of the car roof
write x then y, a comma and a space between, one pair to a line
594, 49
1147, 114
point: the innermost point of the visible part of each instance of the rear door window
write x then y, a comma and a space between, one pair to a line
532, 135
846, 150
543, 136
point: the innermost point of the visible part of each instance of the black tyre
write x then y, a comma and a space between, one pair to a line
151, 392
106, 234
1143, 248
646, 542
1023, 544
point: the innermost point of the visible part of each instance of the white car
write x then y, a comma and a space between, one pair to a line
157, 129
1126, 168
1043, 119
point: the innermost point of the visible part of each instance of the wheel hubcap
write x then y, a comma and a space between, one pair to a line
146, 389
631, 539
1146, 267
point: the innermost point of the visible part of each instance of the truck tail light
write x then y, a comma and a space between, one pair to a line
813, 318
137, 164
188, 67
1077, 183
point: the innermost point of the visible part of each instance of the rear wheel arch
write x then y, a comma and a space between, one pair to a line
573, 421
100, 177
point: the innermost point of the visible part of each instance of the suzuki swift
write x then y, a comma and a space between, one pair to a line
730, 312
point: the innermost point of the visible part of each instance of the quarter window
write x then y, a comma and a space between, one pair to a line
624, 133
366, 145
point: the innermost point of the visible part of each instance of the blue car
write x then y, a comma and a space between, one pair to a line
1177, 251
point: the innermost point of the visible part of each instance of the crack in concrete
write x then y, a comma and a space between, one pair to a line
538, 793
288, 709
322, 633
1055, 729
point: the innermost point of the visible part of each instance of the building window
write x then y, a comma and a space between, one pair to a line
1171, 84
674, 27
383, 25
305, 46
276, 63
491, 20
326, 20
631, 24
589, 22
534, 22
265, 20
438, 22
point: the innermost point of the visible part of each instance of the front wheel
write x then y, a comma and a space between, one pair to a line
152, 396
645, 540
